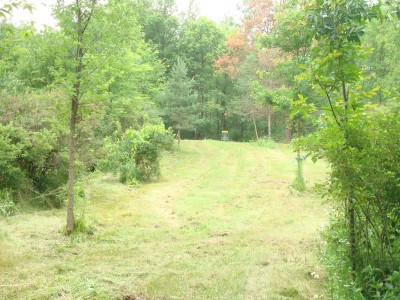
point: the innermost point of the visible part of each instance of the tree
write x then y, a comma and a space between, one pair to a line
260, 16
247, 66
96, 34
200, 44
161, 28
120, 77
82, 20
7, 8
238, 65
327, 36
383, 63
338, 28
237, 49
291, 35
178, 100
249, 102
350, 139
258, 45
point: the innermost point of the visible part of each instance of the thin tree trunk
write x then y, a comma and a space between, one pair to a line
179, 136
73, 121
241, 130
255, 125
350, 195
218, 123
352, 231
71, 170
269, 124
223, 121
288, 129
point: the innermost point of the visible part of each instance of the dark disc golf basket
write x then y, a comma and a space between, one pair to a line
225, 136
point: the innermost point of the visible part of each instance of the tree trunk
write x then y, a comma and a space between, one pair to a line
241, 130
288, 128
73, 121
179, 136
350, 196
352, 232
218, 123
269, 124
255, 126
71, 170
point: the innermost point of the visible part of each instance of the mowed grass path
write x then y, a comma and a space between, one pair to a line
221, 223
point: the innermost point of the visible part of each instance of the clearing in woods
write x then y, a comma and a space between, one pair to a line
221, 223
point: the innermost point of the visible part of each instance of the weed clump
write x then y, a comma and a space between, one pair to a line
7, 206
266, 143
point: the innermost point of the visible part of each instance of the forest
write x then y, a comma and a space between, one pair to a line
126, 87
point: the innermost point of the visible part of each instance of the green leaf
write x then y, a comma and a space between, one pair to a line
389, 285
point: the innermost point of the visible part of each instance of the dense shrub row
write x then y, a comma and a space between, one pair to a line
371, 166
34, 151
33, 157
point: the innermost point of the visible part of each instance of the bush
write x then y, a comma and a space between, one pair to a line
33, 156
31, 164
7, 205
266, 143
13, 142
135, 156
376, 288
371, 283
335, 259
366, 171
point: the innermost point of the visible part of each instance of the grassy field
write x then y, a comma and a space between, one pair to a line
221, 223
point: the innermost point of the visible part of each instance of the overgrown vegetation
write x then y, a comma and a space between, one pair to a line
136, 155
32, 153
356, 138
7, 205
373, 153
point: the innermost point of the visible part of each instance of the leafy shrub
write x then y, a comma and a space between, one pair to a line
376, 288
13, 141
7, 205
135, 156
30, 163
371, 283
369, 168
33, 156
334, 257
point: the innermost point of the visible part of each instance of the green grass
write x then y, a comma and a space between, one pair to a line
221, 223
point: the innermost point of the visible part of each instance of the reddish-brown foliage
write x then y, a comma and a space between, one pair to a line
260, 16
237, 48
